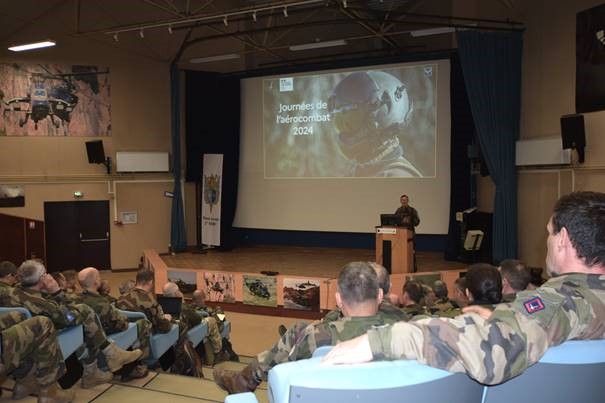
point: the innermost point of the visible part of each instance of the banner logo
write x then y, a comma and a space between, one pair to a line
211, 190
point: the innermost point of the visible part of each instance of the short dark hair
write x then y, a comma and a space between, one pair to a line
384, 279
535, 274
144, 276
515, 272
582, 214
7, 268
357, 283
485, 283
440, 289
414, 289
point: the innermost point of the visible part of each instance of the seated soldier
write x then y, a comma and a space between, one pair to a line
569, 306
142, 299
443, 306
413, 292
515, 278
8, 273
30, 347
358, 297
105, 291
41, 295
112, 319
192, 318
483, 285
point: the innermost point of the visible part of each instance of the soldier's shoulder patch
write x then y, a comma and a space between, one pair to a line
534, 305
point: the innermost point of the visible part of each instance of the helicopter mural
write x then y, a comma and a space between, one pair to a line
299, 294
220, 287
260, 290
54, 100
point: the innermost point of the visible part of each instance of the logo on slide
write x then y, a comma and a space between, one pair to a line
286, 84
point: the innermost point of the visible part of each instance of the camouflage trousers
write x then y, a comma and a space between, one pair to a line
31, 342
279, 353
144, 330
214, 334
94, 335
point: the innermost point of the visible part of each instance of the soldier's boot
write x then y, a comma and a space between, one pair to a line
236, 382
54, 394
26, 386
93, 376
117, 358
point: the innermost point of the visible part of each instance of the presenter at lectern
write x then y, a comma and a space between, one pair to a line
407, 215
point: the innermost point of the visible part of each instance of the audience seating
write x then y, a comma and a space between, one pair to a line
160, 342
70, 339
572, 371
126, 338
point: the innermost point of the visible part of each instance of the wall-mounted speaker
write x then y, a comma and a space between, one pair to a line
95, 152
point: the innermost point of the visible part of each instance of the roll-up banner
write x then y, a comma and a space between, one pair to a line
211, 201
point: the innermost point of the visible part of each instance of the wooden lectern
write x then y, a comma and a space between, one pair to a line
394, 249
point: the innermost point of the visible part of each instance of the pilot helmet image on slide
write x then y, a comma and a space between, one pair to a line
369, 110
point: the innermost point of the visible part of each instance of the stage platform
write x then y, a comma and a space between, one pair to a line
290, 260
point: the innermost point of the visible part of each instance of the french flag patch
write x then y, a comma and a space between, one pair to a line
534, 305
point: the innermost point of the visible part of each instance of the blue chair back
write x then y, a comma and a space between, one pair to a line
386, 381
571, 372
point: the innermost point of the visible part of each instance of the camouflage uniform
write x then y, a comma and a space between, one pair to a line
31, 342
445, 308
209, 312
409, 211
114, 321
414, 310
142, 301
301, 340
571, 306
191, 318
390, 312
61, 311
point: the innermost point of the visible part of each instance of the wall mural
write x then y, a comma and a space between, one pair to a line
54, 100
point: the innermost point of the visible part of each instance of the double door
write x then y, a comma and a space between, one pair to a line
77, 235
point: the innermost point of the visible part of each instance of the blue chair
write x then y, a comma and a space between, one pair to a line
197, 334
70, 339
386, 381
160, 342
125, 339
571, 372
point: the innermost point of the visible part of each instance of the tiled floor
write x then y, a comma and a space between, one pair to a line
156, 388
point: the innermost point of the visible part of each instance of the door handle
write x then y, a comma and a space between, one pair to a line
94, 240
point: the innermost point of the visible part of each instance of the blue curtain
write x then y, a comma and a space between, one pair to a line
491, 63
178, 236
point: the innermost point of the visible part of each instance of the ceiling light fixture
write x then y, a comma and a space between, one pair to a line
170, 29
30, 46
286, 12
225, 21
432, 31
115, 37
218, 58
318, 45
344, 3
254, 16
142, 34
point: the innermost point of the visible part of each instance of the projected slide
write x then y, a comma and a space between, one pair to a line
370, 123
